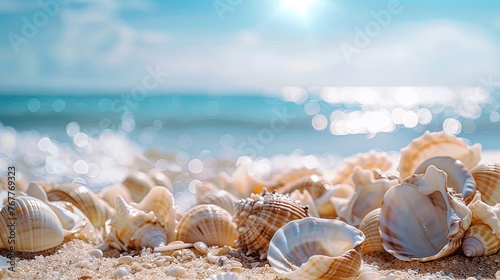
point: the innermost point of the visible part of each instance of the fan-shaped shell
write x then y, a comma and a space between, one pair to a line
161, 201
487, 177
96, 209
433, 145
207, 223
315, 248
110, 193
459, 178
207, 193
370, 227
369, 160
35, 228
132, 228
139, 184
421, 219
260, 216
480, 241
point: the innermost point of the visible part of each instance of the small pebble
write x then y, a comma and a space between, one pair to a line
159, 261
125, 259
497, 274
96, 253
237, 270
178, 271
120, 272
103, 246
201, 247
147, 265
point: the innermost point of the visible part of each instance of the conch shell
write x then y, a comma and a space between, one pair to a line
421, 219
487, 177
433, 145
315, 248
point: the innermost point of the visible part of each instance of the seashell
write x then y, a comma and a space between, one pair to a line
305, 199
483, 213
225, 276
36, 226
369, 160
260, 216
160, 178
479, 240
368, 196
324, 202
207, 193
207, 223
139, 184
421, 219
96, 209
433, 145
487, 177
109, 193
370, 227
161, 201
294, 176
459, 178
241, 183
315, 248
314, 184
132, 228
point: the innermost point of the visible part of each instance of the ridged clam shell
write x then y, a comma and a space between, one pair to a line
207, 223
207, 193
96, 209
37, 227
161, 201
421, 219
459, 178
487, 178
433, 145
480, 241
139, 184
369, 160
257, 219
109, 193
314, 184
135, 229
315, 248
370, 227
241, 183
368, 196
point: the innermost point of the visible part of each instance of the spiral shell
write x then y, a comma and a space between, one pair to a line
139, 184
96, 209
31, 224
315, 248
132, 228
207, 193
161, 201
487, 176
207, 223
260, 216
480, 241
370, 227
433, 145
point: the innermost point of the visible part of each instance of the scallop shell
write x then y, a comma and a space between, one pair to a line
433, 145
207, 223
368, 196
109, 193
207, 193
369, 160
96, 209
36, 226
241, 183
459, 178
370, 227
260, 216
314, 184
139, 184
487, 176
132, 228
421, 219
315, 248
324, 203
479, 240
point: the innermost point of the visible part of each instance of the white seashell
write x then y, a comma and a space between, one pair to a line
459, 178
479, 240
324, 203
487, 177
369, 160
305, 199
260, 216
314, 248
207, 223
437, 144
314, 184
295, 176
225, 276
96, 209
36, 226
139, 184
109, 193
132, 228
370, 227
421, 219
368, 196
160, 178
242, 184
207, 193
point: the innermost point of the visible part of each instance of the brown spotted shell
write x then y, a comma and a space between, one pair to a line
260, 216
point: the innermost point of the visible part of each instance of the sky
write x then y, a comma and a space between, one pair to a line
241, 45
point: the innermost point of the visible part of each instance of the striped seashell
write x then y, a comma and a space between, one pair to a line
110, 193
96, 209
207, 193
459, 178
479, 240
370, 227
207, 223
421, 219
37, 227
139, 184
161, 201
315, 248
134, 229
257, 219
314, 184
437, 144
483, 213
487, 177
369, 160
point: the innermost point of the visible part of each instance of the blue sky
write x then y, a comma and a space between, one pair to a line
241, 45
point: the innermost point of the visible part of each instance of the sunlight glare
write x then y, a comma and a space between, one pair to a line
298, 8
